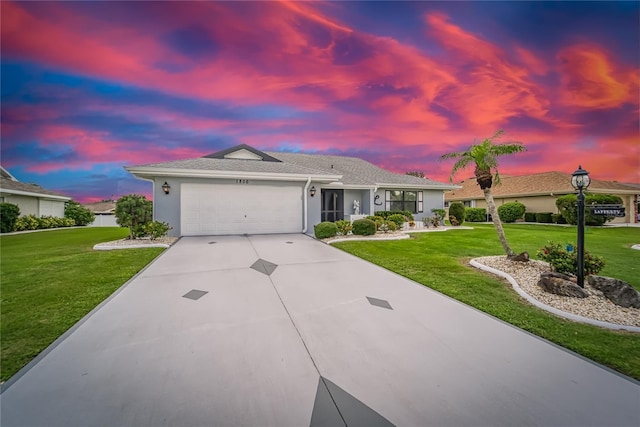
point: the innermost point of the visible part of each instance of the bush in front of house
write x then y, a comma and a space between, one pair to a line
567, 206
439, 214
78, 213
563, 261
398, 218
544, 217
530, 217
27, 222
9, 213
475, 214
344, 227
364, 227
156, 229
325, 229
558, 219
456, 210
511, 212
378, 220
387, 214
134, 211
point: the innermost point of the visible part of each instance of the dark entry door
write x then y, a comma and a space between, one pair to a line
332, 205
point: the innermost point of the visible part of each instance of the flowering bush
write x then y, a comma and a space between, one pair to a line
563, 261
344, 227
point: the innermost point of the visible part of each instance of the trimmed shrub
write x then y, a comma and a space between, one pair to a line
134, 211
364, 227
566, 262
377, 219
155, 229
456, 210
387, 226
475, 214
325, 229
567, 206
544, 217
344, 226
387, 214
558, 219
9, 213
398, 218
81, 215
511, 212
530, 217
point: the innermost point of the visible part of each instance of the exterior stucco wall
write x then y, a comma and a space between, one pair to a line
431, 199
166, 207
28, 205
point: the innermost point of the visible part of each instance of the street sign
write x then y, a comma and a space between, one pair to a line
607, 210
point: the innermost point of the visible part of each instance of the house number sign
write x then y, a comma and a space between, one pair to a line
242, 181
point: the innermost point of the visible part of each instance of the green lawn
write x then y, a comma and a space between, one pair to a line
440, 261
50, 280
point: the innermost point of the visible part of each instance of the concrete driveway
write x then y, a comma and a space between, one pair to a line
308, 336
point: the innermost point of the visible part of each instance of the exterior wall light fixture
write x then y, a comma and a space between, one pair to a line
312, 191
166, 188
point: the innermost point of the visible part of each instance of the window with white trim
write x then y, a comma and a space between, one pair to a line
404, 200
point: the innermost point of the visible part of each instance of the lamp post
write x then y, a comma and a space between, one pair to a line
580, 181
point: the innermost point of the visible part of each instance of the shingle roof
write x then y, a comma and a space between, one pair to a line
101, 207
535, 184
10, 186
350, 170
229, 165
354, 171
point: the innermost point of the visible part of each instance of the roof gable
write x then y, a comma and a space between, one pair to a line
242, 152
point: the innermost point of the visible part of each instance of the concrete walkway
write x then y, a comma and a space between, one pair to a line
287, 331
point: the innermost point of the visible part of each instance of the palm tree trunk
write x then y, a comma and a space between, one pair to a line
496, 221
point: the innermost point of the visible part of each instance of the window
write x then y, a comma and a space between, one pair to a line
400, 200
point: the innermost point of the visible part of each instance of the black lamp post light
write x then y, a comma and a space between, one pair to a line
580, 181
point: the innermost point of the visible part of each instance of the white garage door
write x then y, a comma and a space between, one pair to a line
216, 209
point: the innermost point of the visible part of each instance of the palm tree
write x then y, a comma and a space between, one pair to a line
485, 157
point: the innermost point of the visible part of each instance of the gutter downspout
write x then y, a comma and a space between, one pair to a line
305, 206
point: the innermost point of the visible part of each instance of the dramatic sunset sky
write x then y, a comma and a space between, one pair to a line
90, 87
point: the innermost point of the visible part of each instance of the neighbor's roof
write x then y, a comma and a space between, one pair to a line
10, 186
101, 207
545, 183
349, 171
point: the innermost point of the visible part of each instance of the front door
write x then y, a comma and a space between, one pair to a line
332, 205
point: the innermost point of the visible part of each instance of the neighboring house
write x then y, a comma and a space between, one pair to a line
104, 212
538, 192
242, 190
30, 198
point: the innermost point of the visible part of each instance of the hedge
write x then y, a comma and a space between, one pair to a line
475, 214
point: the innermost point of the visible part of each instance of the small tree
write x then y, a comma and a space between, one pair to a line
78, 213
9, 213
134, 211
484, 156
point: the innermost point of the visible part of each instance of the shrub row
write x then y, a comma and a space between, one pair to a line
31, 222
386, 214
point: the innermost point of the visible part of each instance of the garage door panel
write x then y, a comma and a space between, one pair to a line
217, 209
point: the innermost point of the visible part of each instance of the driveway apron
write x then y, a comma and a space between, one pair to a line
283, 330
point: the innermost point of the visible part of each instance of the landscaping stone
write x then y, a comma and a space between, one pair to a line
618, 291
521, 257
561, 284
